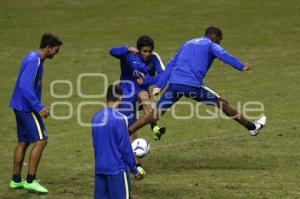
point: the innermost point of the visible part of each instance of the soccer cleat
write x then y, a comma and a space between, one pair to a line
16, 185
259, 124
158, 132
35, 186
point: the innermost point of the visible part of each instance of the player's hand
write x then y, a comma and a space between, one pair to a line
133, 50
140, 80
140, 174
155, 91
247, 67
44, 113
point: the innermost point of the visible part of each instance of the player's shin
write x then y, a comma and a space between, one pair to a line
19, 157
35, 156
234, 114
148, 118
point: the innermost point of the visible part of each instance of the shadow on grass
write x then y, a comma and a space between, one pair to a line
183, 163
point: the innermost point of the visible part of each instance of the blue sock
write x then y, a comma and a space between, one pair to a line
30, 178
16, 178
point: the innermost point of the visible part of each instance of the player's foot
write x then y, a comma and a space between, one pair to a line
16, 185
35, 186
158, 132
259, 124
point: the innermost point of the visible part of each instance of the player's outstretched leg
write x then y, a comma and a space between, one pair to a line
144, 100
253, 127
17, 182
31, 184
144, 120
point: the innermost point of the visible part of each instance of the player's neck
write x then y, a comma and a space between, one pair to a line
113, 104
42, 53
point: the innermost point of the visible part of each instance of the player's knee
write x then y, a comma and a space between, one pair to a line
222, 103
41, 143
45, 142
146, 106
143, 95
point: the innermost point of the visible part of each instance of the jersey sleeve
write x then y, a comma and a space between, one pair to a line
126, 148
224, 56
159, 68
119, 52
150, 80
26, 84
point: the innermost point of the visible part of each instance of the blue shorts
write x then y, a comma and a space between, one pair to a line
112, 186
174, 92
128, 107
30, 127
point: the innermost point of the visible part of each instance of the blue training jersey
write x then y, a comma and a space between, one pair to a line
112, 147
134, 67
192, 61
28, 89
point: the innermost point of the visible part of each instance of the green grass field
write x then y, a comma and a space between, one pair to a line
207, 159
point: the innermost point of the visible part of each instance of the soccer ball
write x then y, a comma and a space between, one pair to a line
140, 147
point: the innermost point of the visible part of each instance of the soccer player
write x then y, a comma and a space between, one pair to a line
26, 104
138, 68
185, 73
112, 150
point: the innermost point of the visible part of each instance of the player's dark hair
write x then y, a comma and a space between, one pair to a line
49, 39
143, 41
114, 93
213, 30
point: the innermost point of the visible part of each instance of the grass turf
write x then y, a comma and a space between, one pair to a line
196, 158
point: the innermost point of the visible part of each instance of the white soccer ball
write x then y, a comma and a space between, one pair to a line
140, 147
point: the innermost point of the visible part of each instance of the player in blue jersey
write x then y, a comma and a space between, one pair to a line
112, 150
185, 74
140, 68
29, 112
